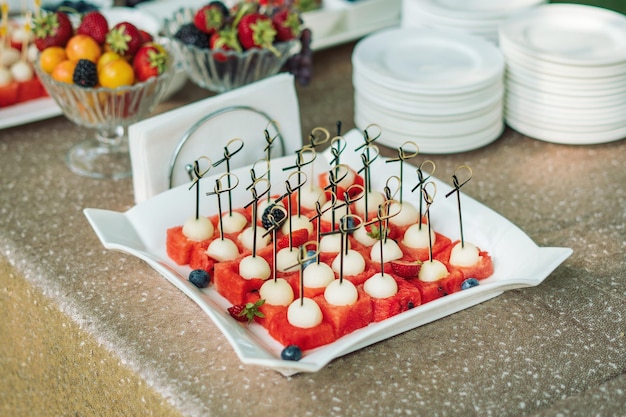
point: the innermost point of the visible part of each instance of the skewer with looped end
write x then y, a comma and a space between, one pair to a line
420, 184
301, 161
338, 145
318, 136
256, 196
333, 181
318, 217
383, 216
457, 189
273, 229
198, 173
402, 156
305, 256
218, 190
290, 189
367, 159
370, 138
428, 199
346, 227
236, 145
269, 141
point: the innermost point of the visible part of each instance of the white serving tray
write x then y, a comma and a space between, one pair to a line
141, 231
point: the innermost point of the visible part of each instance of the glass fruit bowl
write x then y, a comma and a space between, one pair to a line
109, 112
223, 70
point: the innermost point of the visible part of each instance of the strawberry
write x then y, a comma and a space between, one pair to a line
95, 25
246, 312
298, 237
210, 18
287, 24
52, 29
124, 39
255, 30
406, 269
149, 61
225, 39
145, 36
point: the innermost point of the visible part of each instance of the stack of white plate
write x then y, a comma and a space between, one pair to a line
566, 73
477, 17
443, 91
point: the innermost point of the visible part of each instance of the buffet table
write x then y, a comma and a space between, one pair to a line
87, 331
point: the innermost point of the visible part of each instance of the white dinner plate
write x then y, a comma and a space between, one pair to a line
371, 88
563, 124
569, 34
140, 231
548, 134
485, 9
429, 128
517, 57
565, 101
428, 60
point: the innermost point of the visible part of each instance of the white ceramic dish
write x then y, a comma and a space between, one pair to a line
569, 34
550, 134
427, 60
467, 9
140, 231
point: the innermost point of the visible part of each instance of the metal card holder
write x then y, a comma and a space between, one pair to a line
211, 117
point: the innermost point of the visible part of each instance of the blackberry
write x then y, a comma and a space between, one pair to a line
277, 213
189, 34
85, 74
199, 278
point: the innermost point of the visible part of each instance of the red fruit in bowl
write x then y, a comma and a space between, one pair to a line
287, 24
145, 37
124, 39
406, 269
95, 25
210, 18
256, 30
149, 61
52, 29
225, 39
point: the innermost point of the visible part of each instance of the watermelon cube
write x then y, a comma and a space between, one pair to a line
346, 319
231, 285
287, 334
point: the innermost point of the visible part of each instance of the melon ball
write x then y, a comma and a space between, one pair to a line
254, 267
304, 313
198, 229
381, 286
341, 293
223, 250
276, 293
432, 270
464, 255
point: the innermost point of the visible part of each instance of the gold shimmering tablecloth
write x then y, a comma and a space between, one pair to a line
87, 331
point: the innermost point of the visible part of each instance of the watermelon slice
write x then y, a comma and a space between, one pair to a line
9, 94
231, 285
422, 254
346, 319
286, 334
177, 246
483, 269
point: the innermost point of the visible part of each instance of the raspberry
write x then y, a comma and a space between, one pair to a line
85, 74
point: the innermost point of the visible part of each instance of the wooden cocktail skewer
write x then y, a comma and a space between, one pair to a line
457, 189
403, 155
236, 145
420, 184
198, 173
256, 196
428, 199
318, 218
218, 190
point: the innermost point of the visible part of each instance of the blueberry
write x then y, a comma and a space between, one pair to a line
199, 278
277, 213
291, 353
469, 283
309, 254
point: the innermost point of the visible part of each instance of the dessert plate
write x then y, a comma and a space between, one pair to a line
569, 34
140, 231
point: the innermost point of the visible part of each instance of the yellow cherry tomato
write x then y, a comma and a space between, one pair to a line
83, 47
50, 57
116, 74
64, 71
105, 58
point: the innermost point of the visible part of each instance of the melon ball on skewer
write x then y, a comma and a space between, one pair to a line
432, 270
223, 250
318, 275
381, 285
353, 263
407, 214
276, 292
416, 236
341, 292
198, 229
233, 222
304, 313
390, 251
247, 238
254, 267
287, 260
464, 254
